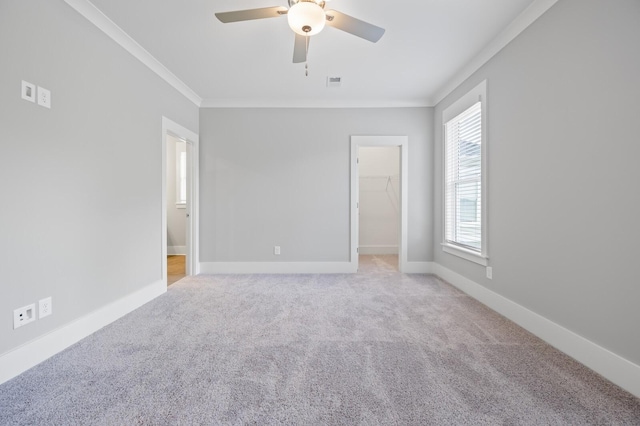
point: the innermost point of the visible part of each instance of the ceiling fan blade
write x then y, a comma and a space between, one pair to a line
248, 15
300, 49
354, 26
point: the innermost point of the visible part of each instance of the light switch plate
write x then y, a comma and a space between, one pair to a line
28, 91
23, 316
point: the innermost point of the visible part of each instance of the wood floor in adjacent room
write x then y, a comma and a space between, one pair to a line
176, 268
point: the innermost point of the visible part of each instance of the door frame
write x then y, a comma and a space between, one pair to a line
171, 128
379, 141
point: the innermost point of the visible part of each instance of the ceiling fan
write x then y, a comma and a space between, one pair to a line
307, 18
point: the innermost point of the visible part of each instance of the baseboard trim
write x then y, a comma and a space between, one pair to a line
418, 268
618, 370
378, 249
277, 268
177, 250
33, 353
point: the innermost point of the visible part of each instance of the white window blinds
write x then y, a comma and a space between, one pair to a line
463, 179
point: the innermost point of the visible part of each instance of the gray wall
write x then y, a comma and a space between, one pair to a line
81, 182
563, 109
176, 217
281, 177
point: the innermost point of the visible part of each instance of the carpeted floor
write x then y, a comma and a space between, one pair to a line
368, 348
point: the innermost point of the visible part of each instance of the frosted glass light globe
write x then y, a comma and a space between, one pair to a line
306, 18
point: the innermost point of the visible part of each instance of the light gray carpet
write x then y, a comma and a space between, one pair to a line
374, 348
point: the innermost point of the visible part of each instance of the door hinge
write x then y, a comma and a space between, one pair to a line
358, 250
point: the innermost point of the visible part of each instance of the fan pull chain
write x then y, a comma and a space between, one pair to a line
306, 58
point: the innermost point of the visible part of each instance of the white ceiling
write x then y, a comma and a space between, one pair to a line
426, 44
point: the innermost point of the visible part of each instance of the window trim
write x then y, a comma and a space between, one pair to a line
478, 93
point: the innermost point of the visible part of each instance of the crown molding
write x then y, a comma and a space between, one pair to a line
100, 20
522, 21
314, 103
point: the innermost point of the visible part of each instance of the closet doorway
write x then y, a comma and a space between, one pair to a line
379, 207
379, 203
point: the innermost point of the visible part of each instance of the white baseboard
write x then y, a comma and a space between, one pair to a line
177, 250
378, 249
618, 370
33, 353
418, 268
277, 267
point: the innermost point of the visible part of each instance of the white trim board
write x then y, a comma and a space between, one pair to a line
276, 268
315, 103
419, 268
618, 370
176, 250
299, 268
106, 25
613, 367
381, 249
36, 351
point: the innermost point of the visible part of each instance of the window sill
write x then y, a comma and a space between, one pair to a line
181, 205
465, 254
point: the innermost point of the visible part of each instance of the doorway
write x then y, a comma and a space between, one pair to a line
379, 208
176, 209
179, 202
379, 202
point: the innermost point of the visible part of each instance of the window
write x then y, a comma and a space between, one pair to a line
464, 177
181, 175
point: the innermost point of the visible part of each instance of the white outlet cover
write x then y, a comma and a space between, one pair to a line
28, 91
45, 307
23, 316
44, 97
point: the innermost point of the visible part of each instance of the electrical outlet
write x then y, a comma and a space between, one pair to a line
23, 316
28, 91
44, 97
276, 250
489, 272
45, 307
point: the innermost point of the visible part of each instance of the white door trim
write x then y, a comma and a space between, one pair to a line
403, 143
193, 224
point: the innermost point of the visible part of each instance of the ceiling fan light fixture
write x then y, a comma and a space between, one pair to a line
306, 18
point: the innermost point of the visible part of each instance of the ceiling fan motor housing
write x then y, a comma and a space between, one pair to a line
320, 3
306, 17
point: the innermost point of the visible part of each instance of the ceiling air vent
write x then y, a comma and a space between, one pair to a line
334, 81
